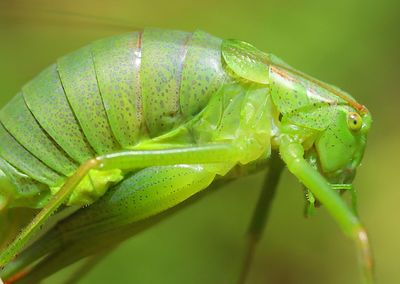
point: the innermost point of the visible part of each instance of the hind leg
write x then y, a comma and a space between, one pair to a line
120, 213
127, 160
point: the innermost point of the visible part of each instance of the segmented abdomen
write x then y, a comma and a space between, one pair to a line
105, 97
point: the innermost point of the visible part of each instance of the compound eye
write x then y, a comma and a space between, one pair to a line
354, 121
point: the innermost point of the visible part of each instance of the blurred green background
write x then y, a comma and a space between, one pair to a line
352, 44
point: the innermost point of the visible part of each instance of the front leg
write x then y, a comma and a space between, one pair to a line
293, 155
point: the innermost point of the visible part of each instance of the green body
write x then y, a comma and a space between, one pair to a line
165, 113
129, 92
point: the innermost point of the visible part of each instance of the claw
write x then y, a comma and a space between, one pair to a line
309, 209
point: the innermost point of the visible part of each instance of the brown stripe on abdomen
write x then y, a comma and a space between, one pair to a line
163, 54
117, 72
202, 74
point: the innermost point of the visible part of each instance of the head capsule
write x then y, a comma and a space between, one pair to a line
340, 147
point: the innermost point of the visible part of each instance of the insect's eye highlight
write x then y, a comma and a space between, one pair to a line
354, 121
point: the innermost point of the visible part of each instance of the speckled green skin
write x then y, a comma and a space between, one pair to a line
111, 95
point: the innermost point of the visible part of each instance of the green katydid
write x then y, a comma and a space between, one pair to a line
136, 124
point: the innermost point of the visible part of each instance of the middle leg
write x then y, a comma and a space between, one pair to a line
261, 213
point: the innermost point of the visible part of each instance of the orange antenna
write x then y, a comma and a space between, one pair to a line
53, 17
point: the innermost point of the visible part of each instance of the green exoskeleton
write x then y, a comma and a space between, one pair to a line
129, 127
